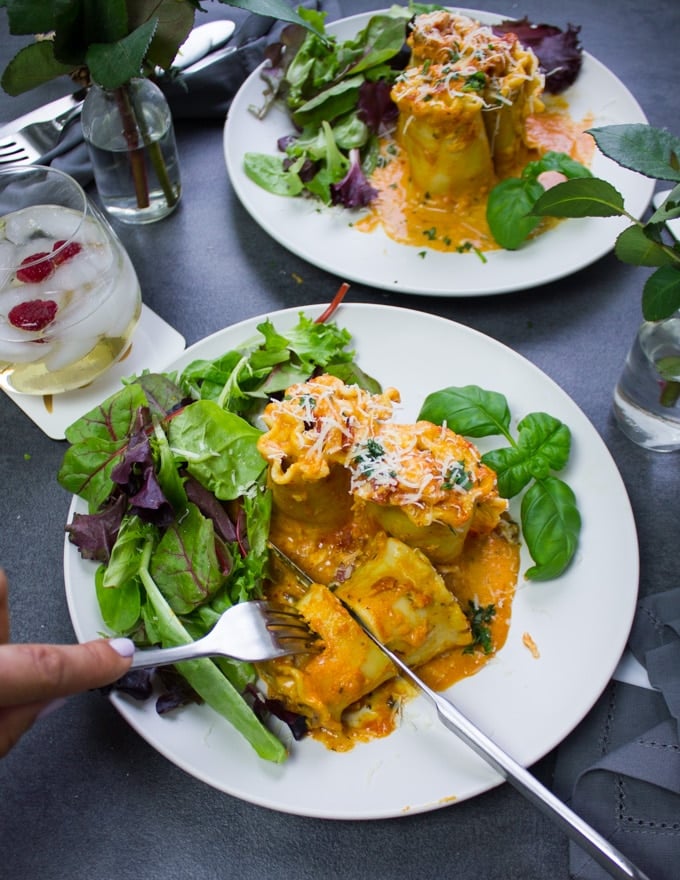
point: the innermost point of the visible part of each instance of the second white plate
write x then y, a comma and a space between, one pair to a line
326, 238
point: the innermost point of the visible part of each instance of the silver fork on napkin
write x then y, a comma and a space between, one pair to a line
590, 840
32, 135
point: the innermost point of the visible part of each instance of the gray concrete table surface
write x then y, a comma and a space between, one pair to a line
83, 795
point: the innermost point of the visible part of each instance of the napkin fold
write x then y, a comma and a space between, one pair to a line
204, 94
620, 769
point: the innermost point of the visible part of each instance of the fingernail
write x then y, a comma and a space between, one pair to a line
124, 647
50, 707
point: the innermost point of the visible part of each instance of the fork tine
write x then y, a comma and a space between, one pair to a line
290, 631
11, 151
276, 618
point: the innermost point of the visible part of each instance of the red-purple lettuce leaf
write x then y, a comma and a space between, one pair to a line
354, 190
559, 52
98, 442
184, 564
94, 534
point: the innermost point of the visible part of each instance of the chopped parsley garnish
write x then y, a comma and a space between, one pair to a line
367, 458
480, 616
475, 82
456, 475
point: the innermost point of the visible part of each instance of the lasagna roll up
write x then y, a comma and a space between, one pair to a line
310, 432
463, 103
442, 132
402, 598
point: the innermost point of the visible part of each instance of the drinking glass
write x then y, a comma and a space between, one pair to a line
69, 295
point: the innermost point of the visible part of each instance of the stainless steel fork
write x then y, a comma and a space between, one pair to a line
30, 136
249, 631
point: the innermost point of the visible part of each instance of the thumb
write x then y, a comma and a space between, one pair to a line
35, 672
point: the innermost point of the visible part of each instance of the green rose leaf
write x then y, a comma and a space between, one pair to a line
661, 293
29, 17
634, 246
32, 66
113, 64
650, 151
580, 197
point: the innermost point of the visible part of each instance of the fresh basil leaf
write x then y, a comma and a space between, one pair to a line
511, 469
468, 410
650, 151
661, 293
554, 161
508, 210
543, 445
551, 525
580, 197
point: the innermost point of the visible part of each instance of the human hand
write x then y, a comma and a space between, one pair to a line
35, 677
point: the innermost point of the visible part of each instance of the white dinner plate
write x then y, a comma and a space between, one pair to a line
325, 238
579, 623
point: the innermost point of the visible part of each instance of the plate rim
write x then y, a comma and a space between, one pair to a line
488, 778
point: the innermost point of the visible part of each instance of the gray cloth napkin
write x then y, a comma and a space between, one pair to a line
620, 769
205, 94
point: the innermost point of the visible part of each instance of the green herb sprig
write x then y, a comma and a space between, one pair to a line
551, 522
654, 153
112, 43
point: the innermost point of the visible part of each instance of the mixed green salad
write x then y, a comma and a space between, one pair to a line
179, 511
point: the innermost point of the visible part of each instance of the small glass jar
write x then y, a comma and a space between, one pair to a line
131, 142
647, 396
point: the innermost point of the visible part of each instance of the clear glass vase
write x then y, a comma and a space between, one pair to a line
647, 397
131, 142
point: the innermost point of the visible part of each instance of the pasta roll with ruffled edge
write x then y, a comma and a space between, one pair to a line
442, 133
457, 55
